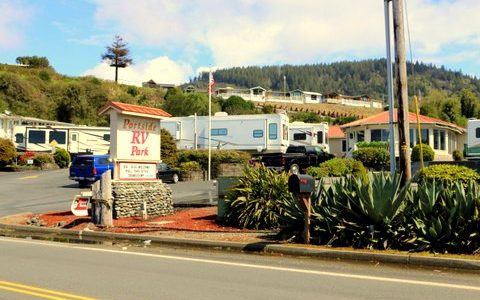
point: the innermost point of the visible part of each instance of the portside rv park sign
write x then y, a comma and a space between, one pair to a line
134, 140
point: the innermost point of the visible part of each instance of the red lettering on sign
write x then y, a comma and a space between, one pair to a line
82, 204
139, 152
139, 137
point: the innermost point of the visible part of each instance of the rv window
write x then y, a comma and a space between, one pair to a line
19, 138
74, 137
320, 137
36, 136
272, 131
106, 137
258, 133
299, 136
477, 133
58, 136
219, 131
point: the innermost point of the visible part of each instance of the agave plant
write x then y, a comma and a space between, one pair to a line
258, 200
445, 217
364, 213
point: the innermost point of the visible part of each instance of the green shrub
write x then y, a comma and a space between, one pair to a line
61, 157
257, 200
168, 148
457, 155
377, 144
372, 158
447, 173
44, 75
338, 167
428, 153
7, 152
190, 166
218, 157
42, 159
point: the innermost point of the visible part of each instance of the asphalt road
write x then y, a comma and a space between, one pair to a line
42, 191
127, 272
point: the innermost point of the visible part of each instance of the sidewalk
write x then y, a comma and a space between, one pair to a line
196, 228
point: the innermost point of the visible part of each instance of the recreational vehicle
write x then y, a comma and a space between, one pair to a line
308, 134
253, 133
74, 139
472, 148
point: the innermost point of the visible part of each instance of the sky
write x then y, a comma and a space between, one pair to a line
171, 41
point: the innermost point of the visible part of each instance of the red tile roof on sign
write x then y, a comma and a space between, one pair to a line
136, 109
335, 132
383, 118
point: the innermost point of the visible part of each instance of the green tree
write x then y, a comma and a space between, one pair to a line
117, 55
33, 61
468, 101
307, 117
236, 105
186, 105
168, 148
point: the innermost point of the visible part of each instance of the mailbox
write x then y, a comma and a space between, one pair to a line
300, 184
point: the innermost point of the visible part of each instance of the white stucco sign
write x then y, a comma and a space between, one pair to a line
134, 140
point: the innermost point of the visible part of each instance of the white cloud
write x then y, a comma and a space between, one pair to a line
15, 15
160, 69
258, 32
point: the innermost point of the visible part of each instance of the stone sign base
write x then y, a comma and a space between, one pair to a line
129, 196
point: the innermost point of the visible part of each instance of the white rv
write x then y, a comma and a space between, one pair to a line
74, 139
262, 132
473, 138
308, 134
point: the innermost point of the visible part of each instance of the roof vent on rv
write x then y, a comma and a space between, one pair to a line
221, 114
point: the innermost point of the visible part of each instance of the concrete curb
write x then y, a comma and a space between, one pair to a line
261, 247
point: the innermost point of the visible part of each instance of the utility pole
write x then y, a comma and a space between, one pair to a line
402, 90
391, 107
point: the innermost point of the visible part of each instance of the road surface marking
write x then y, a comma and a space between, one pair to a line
39, 292
29, 177
252, 266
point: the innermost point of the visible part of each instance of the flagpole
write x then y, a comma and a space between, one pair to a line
209, 125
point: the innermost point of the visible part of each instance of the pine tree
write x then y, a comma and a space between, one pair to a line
117, 55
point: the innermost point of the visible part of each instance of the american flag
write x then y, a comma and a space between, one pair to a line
211, 83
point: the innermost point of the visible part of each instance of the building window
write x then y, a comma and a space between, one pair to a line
360, 136
320, 137
19, 138
439, 139
377, 135
272, 131
344, 145
36, 136
413, 140
477, 133
299, 136
425, 134
314, 97
106, 137
258, 133
219, 131
58, 136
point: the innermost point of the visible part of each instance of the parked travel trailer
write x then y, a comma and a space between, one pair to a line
472, 149
74, 139
253, 133
308, 134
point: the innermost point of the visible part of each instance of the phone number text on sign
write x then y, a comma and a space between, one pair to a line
138, 171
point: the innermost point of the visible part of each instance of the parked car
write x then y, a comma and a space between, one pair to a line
167, 173
86, 169
296, 159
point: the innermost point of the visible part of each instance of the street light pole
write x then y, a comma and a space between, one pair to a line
390, 87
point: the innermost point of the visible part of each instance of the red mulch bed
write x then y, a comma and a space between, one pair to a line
189, 219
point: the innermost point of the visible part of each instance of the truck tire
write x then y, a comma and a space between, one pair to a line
82, 183
175, 178
295, 169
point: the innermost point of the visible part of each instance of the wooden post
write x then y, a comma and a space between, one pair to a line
304, 199
102, 201
402, 90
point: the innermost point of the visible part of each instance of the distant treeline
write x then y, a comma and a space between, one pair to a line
349, 78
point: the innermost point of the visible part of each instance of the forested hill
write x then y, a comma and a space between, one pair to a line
349, 78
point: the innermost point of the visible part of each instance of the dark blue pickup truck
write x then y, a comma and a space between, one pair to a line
86, 169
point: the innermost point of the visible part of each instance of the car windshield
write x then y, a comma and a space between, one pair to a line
83, 161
